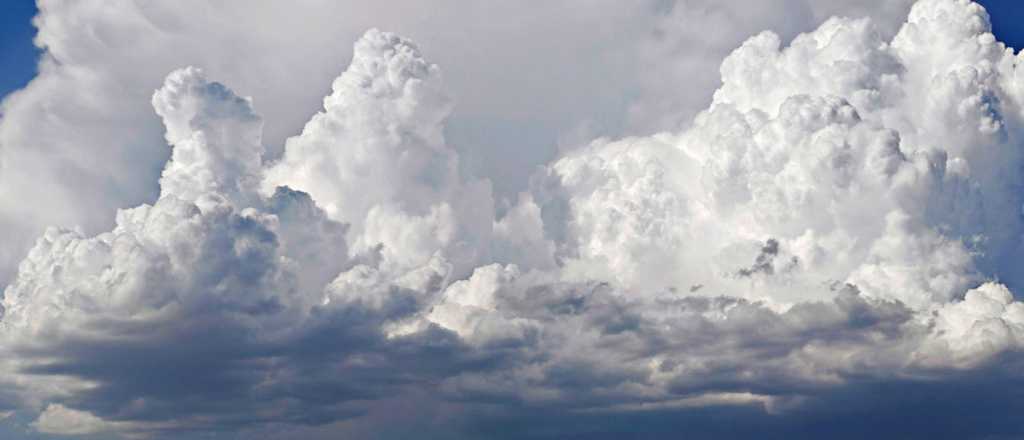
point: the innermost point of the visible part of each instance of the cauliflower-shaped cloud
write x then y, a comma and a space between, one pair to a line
845, 213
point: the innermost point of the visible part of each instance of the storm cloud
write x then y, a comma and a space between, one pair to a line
830, 237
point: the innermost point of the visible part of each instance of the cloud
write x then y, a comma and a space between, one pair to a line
836, 230
80, 141
57, 419
376, 159
987, 322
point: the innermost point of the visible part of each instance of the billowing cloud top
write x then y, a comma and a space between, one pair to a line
839, 229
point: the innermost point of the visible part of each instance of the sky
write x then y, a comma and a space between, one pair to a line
569, 219
19, 54
1006, 16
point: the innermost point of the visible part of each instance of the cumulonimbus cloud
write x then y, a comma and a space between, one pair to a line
846, 212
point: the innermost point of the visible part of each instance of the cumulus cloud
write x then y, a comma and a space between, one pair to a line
841, 222
375, 158
80, 141
57, 419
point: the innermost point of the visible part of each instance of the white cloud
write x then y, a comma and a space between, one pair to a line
376, 159
57, 419
985, 323
80, 141
844, 212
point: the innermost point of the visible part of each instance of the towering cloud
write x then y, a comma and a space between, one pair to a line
375, 158
80, 141
841, 224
